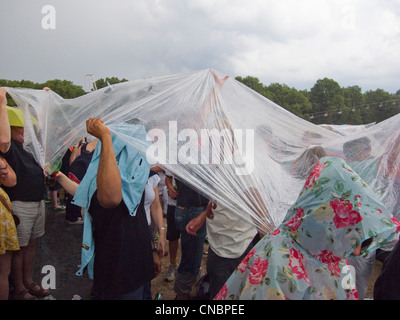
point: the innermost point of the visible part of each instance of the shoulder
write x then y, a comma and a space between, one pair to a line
154, 179
152, 173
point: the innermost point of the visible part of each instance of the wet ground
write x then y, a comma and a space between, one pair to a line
60, 248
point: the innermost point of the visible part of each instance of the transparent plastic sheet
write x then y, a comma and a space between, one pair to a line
347, 129
224, 139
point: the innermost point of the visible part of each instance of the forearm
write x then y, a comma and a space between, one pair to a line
68, 185
202, 218
5, 133
195, 224
168, 182
109, 187
8, 177
76, 151
156, 211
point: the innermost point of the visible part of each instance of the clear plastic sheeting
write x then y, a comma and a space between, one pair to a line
224, 139
346, 129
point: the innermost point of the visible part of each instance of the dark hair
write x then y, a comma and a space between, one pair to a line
366, 243
352, 148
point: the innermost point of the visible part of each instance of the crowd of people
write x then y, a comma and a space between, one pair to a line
121, 202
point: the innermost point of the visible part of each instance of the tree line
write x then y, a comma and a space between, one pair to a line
64, 88
325, 103
329, 103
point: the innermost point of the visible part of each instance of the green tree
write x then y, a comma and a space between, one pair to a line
64, 88
354, 99
17, 84
255, 84
379, 105
289, 98
101, 83
327, 99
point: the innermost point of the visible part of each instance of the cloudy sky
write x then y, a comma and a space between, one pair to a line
295, 42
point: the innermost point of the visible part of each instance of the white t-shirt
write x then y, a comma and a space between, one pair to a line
161, 184
171, 202
228, 235
149, 196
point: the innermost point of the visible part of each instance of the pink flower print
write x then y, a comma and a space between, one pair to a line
397, 223
314, 175
295, 223
258, 271
358, 201
331, 260
221, 295
296, 265
276, 232
243, 265
344, 214
352, 295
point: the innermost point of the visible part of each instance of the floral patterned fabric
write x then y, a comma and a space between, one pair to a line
304, 258
8, 231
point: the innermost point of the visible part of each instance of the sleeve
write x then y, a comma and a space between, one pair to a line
154, 180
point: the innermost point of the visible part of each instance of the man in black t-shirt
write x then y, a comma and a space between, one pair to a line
27, 199
125, 260
123, 264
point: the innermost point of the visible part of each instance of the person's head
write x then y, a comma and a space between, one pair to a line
306, 162
17, 134
311, 137
16, 120
335, 213
358, 149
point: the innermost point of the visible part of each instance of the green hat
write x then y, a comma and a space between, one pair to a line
15, 117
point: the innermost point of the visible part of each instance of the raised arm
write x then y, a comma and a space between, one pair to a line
5, 133
109, 186
69, 185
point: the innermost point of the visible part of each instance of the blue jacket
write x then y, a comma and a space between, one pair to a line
134, 170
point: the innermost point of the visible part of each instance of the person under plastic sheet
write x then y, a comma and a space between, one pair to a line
302, 166
230, 240
27, 198
374, 171
336, 216
387, 286
189, 204
117, 245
